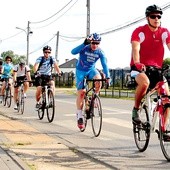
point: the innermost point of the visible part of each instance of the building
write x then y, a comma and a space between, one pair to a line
68, 66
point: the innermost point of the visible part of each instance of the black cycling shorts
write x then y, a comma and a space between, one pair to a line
154, 75
42, 80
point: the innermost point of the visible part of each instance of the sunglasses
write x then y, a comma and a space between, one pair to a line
95, 43
155, 16
47, 52
8, 60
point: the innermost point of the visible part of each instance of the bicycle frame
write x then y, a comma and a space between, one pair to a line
163, 99
45, 89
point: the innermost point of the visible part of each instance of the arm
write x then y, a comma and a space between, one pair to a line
14, 76
103, 60
35, 67
135, 51
28, 73
57, 68
77, 49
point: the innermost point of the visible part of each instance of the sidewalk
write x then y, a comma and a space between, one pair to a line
24, 148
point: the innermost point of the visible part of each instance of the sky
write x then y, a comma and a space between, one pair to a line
46, 19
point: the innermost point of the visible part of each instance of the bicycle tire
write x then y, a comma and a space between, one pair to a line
4, 98
142, 131
18, 101
84, 116
8, 97
22, 102
42, 107
164, 136
51, 106
96, 115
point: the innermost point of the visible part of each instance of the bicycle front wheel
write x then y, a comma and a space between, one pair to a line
22, 102
42, 107
142, 131
51, 106
96, 115
165, 137
4, 98
8, 97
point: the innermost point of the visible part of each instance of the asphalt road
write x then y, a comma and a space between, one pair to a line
115, 147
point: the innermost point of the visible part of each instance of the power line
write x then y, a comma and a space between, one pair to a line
56, 18
52, 15
127, 24
43, 45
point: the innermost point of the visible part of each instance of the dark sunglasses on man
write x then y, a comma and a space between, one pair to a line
155, 16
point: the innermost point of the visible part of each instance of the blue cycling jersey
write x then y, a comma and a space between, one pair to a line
88, 58
7, 70
46, 67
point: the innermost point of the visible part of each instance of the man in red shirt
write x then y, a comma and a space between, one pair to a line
148, 52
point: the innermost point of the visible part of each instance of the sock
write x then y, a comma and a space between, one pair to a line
79, 114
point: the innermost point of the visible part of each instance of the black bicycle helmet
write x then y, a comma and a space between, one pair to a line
152, 9
47, 48
8, 57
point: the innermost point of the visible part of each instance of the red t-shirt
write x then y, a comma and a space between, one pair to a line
151, 45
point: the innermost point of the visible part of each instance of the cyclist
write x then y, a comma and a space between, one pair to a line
21, 72
89, 52
43, 70
147, 55
7, 71
1, 62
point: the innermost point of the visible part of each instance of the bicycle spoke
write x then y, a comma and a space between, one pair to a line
165, 139
142, 131
96, 117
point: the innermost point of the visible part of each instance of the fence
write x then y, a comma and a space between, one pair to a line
121, 84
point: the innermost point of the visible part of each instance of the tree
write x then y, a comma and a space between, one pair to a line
166, 62
15, 57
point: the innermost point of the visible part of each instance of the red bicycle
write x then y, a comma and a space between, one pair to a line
149, 117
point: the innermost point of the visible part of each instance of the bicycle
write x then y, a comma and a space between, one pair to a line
20, 100
92, 108
47, 101
7, 97
149, 115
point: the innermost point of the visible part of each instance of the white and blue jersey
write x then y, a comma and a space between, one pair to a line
45, 65
7, 70
86, 64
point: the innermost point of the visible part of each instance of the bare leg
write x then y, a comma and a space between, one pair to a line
141, 89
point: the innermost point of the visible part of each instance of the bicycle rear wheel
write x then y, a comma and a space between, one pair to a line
51, 106
96, 115
142, 131
42, 107
8, 97
165, 138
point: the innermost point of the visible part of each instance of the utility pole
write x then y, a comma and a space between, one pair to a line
88, 17
28, 32
56, 52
